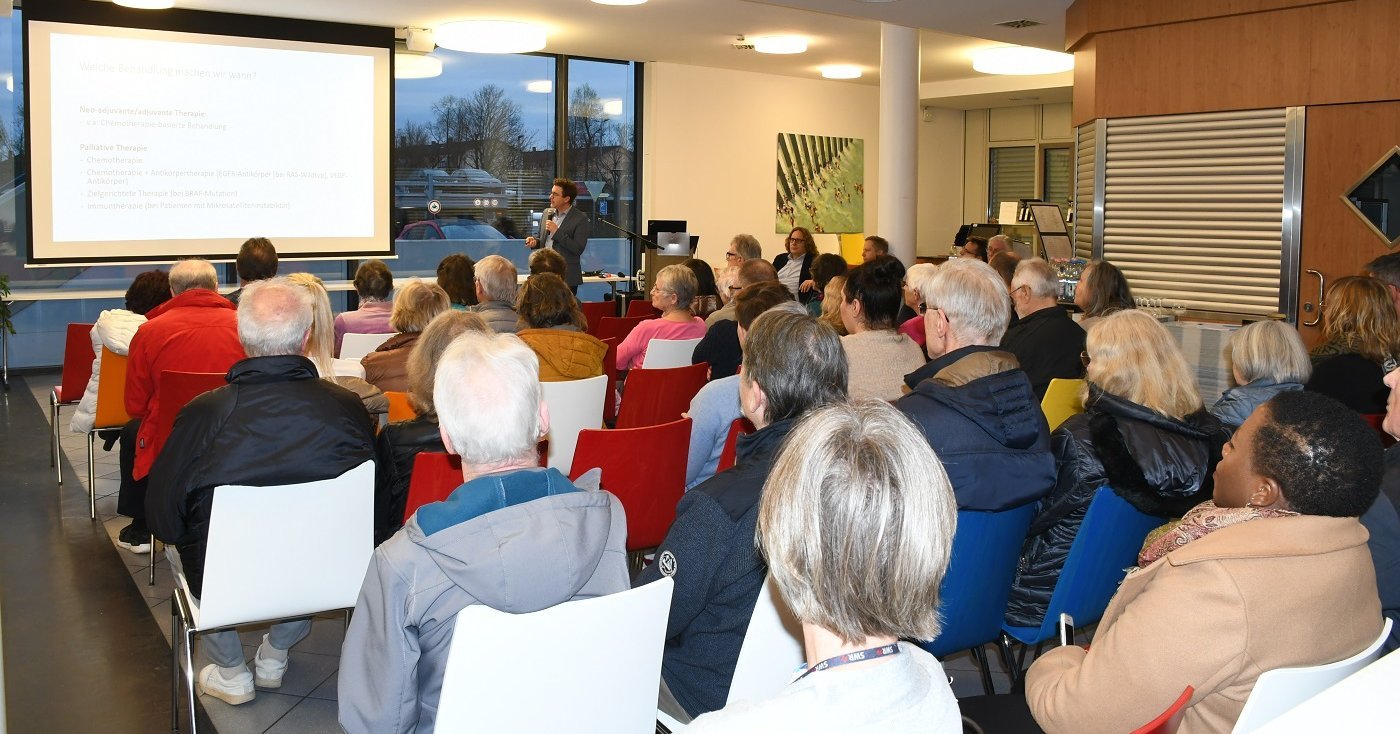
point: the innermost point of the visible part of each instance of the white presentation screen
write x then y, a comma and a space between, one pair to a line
151, 144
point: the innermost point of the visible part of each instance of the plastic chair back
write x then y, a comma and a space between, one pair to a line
1105, 547
1061, 401
729, 454
573, 406
665, 353
77, 364
495, 681
986, 549
399, 407
356, 346
174, 390
111, 391
1170, 720
641, 308
324, 538
615, 327
1278, 691
644, 468
1377, 423
435, 475
653, 397
594, 311
772, 648
610, 372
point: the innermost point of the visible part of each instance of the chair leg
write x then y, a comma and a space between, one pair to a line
1007, 659
980, 653
151, 580
53, 436
92, 479
174, 664
189, 677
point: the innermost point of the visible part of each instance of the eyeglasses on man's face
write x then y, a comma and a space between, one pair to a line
796, 240
732, 255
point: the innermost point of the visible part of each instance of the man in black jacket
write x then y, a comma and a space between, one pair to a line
275, 423
792, 364
1046, 341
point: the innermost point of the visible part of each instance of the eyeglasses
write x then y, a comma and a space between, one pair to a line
731, 254
1019, 288
734, 288
1084, 357
553, 195
925, 308
796, 239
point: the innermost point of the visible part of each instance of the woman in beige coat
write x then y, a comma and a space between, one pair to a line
1274, 574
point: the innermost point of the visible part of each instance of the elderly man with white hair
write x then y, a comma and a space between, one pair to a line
1045, 340
972, 400
275, 422
495, 294
514, 536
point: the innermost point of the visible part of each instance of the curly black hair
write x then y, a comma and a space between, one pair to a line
1325, 458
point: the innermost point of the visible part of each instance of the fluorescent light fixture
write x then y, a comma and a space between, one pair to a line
841, 71
146, 4
780, 44
409, 65
612, 107
1020, 60
490, 36
619, 2
540, 86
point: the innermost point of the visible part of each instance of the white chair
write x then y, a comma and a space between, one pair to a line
356, 346
1349, 706
573, 406
592, 665
1278, 691
324, 535
667, 353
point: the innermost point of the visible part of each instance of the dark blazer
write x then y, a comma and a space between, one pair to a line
806, 275
570, 240
1047, 343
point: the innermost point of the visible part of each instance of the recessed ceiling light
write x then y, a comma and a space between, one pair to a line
540, 86
780, 44
146, 4
841, 71
411, 65
619, 2
1020, 60
612, 107
490, 36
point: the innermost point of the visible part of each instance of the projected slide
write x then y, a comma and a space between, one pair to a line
169, 144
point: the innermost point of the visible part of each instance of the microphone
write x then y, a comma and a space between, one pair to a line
548, 214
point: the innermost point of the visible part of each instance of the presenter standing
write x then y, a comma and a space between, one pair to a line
565, 230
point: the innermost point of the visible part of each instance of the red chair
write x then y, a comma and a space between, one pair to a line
435, 475
175, 390
645, 469
616, 327
1170, 719
653, 397
643, 309
740, 427
610, 369
594, 311
77, 370
1376, 421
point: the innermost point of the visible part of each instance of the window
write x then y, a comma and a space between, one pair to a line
1055, 184
1011, 177
601, 154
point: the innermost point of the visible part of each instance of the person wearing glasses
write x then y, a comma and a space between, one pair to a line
566, 232
795, 265
1045, 340
751, 271
672, 295
743, 248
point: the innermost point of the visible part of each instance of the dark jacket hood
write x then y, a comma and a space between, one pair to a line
999, 402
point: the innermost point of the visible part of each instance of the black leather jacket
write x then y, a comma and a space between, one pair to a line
394, 452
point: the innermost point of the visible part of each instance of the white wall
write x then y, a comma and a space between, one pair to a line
710, 147
941, 164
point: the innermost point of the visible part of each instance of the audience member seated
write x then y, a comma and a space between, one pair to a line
113, 330
456, 275
824, 268
672, 295
1005, 264
1273, 574
347, 373
996, 245
1386, 269
275, 423
552, 325
495, 294
706, 291
753, 270
1045, 340
794, 265
742, 248
973, 403
415, 307
716, 406
915, 280
195, 331
1265, 358
1102, 290
396, 447
1382, 520
516, 537
873, 247
974, 248
1144, 434
832, 298
1361, 343
792, 365
879, 357
548, 261
860, 569
373, 286
257, 260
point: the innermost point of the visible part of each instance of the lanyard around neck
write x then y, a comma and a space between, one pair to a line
851, 657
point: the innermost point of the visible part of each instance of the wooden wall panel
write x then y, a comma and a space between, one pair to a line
1087, 17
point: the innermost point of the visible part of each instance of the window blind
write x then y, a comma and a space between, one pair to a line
1084, 168
1012, 177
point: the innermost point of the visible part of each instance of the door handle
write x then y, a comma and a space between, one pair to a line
1321, 284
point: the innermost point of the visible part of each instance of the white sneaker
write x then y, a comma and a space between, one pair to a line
270, 665
214, 681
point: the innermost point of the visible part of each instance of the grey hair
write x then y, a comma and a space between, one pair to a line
416, 304
857, 521
1037, 276
1386, 269
1269, 349
972, 297
918, 275
496, 276
487, 394
797, 361
747, 247
679, 281
193, 273
274, 317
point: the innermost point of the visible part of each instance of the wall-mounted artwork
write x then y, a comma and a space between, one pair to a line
821, 183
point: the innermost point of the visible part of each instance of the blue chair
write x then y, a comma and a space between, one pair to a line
1107, 545
974, 592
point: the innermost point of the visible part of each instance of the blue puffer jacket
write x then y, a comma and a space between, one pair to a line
981, 417
1237, 403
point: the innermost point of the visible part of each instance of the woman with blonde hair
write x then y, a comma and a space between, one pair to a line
320, 346
552, 325
415, 307
1144, 433
1265, 358
832, 298
1361, 343
672, 295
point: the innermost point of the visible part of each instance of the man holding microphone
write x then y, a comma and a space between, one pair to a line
564, 230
